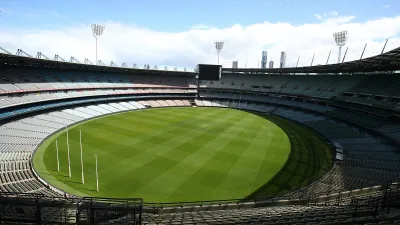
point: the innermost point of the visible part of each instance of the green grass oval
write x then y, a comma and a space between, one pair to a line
168, 155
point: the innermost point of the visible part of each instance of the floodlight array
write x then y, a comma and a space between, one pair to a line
219, 45
340, 37
97, 30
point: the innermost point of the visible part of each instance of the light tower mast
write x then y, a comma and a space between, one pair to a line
97, 32
218, 46
340, 39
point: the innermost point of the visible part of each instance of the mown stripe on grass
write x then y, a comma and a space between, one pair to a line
171, 154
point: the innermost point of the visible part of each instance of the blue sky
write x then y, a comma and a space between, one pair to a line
179, 15
182, 32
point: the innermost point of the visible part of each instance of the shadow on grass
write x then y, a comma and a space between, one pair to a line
63, 180
70, 181
53, 174
306, 163
85, 189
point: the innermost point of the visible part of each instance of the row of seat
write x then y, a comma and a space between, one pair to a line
19, 99
361, 89
292, 214
15, 80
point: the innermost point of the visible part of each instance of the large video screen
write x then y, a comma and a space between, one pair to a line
209, 72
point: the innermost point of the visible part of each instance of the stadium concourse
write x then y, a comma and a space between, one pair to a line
355, 105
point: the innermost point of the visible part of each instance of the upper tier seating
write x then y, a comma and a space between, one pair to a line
17, 99
237, 98
374, 90
24, 86
20, 80
385, 85
323, 86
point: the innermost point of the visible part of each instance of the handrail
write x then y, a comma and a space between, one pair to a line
318, 196
96, 88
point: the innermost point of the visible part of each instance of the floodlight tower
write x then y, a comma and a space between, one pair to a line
219, 45
340, 39
97, 32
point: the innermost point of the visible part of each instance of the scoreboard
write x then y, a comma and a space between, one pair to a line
209, 72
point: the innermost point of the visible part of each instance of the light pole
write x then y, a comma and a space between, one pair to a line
219, 45
97, 32
340, 39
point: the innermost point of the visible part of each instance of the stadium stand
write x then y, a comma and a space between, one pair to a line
357, 112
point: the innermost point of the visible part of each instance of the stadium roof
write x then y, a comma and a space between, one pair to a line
10, 60
389, 61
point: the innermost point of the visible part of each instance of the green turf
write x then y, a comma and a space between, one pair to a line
169, 155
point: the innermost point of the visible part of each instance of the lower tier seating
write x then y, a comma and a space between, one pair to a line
19, 138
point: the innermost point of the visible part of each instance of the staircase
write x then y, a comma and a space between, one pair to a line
192, 103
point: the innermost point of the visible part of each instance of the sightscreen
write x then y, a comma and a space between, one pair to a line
209, 72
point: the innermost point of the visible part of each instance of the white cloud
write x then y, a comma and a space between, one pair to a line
5, 11
331, 14
132, 44
385, 6
334, 18
318, 16
326, 15
200, 27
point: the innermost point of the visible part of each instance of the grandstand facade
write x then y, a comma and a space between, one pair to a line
354, 105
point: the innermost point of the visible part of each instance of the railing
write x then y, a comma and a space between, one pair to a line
280, 200
322, 196
37, 208
96, 210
